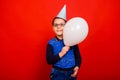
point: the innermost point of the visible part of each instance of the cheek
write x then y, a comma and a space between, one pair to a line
54, 30
62, 28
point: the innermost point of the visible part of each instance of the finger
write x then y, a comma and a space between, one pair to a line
73, 75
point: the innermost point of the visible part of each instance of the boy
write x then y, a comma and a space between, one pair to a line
65, 60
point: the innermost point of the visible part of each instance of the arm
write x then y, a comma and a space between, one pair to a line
51, 58
78, 58
77, 61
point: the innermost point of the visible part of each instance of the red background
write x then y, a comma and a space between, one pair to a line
25, 28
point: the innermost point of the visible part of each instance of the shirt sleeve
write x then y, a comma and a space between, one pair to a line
78, 58
50, 57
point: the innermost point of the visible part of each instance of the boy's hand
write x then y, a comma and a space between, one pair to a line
75, 71
64, 51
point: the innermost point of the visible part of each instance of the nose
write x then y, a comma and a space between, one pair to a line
59, 26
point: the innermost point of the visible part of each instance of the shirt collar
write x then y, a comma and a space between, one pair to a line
58, 38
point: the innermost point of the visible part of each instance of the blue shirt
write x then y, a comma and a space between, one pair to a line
70, 59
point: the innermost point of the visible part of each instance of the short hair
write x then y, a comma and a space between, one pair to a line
57, 18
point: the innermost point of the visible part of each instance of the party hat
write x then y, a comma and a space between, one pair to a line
62, 13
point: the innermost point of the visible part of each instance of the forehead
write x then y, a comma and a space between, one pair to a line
59, 20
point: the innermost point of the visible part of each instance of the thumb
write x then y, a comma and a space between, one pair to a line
74, 73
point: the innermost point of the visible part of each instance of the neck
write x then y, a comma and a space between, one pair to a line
60, 37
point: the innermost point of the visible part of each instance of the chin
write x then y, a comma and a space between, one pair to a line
59, 34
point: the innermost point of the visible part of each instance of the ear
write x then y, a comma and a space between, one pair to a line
52, 28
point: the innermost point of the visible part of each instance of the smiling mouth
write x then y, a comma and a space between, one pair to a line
59, 30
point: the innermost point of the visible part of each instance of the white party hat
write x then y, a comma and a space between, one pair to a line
62, 13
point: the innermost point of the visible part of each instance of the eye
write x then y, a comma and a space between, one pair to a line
61, 24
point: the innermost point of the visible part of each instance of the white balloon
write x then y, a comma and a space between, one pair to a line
75, 31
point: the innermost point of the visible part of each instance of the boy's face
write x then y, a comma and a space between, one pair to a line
58, 26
